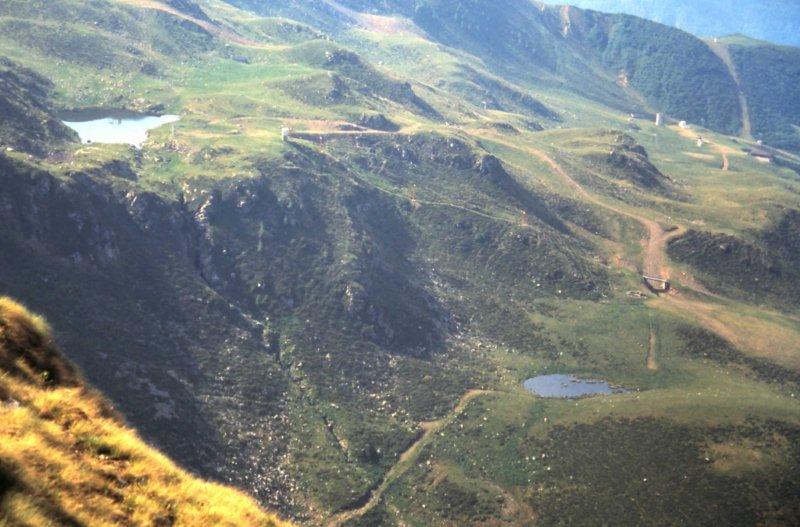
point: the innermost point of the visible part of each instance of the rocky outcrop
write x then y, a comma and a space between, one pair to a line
762, 268
27, 121
377, 122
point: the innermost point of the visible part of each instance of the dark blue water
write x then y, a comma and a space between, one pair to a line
568, 387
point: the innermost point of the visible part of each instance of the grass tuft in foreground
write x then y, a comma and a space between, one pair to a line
67, 459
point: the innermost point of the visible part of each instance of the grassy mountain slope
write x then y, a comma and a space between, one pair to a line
66, 458
340, 323
622, 61
759, 267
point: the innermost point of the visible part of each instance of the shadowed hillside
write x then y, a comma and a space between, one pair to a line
66, 458
27, 124
761, 267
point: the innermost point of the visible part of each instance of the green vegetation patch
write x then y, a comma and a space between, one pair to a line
770, 76
699, 343
674, 70
367, 79
761, 269
629, 472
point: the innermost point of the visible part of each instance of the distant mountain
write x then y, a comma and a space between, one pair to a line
627, 62
774, 20
774, 106
608, 58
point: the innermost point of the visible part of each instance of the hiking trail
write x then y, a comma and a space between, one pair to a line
655, 263
407, 458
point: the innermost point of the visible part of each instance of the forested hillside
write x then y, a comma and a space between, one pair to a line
775, 20
675, 71
774, 105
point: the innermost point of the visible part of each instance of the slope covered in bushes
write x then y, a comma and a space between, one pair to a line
27, 124
763, 268
774, 105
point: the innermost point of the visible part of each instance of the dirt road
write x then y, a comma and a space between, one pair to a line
724, 151
655, 263
654, 259
407, 458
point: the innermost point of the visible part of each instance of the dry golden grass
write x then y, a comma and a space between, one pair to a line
67, 459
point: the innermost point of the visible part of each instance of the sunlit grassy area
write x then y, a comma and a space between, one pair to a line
66, 456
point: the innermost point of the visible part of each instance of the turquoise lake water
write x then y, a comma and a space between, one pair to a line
115, 127
568, 387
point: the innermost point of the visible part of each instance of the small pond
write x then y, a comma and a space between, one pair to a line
568, 387
114, 126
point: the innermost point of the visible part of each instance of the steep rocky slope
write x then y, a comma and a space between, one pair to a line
66, 458
294, 262
28, 123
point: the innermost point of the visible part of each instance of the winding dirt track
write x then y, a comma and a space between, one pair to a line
655, 261
407, 458
724, 151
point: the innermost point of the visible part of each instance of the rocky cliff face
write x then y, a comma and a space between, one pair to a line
126, 260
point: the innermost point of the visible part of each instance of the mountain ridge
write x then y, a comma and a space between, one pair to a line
327, 283
524, 42
774, 21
